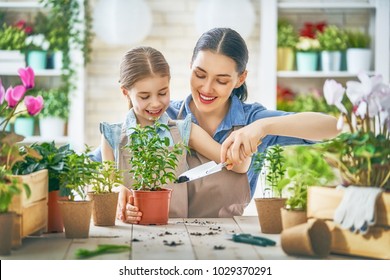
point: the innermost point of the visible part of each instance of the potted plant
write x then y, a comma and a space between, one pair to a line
307, 54
361, 154
12, 42
36, 51
77, 175
153, 163
55, 113
305, 166
104, 199
271, 166
358, 51
287, 39
333, 41
308, 46
51, 158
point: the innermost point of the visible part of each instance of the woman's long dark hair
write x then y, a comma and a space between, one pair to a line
227, 42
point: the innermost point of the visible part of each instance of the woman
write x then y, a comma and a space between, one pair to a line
216, 103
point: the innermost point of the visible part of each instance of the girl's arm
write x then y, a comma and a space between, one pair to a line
107, 152
204, 144
307, 125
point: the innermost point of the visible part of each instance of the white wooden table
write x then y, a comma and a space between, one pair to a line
181, 239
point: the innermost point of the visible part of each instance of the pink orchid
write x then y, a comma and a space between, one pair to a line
27, 76
333, 94
14, 95
2, 93
33, 104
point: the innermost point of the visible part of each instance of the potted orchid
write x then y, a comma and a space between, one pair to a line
362, 153
10, 154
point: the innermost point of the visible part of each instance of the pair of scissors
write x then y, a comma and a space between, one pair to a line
251, 239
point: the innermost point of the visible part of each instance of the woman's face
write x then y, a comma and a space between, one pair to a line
150, 98
213, 79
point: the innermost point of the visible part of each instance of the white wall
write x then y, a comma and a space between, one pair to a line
174, 34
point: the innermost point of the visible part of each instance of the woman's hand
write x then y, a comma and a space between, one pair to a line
126, 211
241, 144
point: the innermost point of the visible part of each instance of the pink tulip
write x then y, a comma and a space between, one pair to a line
33, 104
2, 93
27, 76
14, 95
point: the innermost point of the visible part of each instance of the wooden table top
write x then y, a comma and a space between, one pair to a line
180, 239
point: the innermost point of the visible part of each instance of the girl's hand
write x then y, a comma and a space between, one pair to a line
126, 211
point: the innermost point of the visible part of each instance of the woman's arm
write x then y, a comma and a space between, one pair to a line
204, 144
307, 125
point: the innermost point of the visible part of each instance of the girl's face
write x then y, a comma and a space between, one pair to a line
213, 79
150, 98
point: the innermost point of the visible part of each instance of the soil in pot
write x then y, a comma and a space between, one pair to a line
154, 206
268, 210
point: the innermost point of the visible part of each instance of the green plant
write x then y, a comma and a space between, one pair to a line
362, 154
52, 159
9, 187
107, 178
287, 37
152, 160
78, 173
272, 161
56, 103
358, 39
305, 166
332, 39
306, 103
12, 38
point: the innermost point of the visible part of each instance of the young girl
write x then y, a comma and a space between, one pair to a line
144, 79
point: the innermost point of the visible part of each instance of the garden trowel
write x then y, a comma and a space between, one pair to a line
200, 171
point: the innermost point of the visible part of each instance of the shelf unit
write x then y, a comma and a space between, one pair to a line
76, 121
379, 22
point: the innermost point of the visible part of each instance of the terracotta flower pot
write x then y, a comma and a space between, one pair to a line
55, 222
6, 231
154, 206
77, 218
104, 208
268, 210
292, 218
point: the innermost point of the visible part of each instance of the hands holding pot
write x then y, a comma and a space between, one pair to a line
126, 211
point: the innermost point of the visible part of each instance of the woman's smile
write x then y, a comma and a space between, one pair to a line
206, 99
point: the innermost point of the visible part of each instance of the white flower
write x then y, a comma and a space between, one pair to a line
37, 41
307, 44
333, 94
